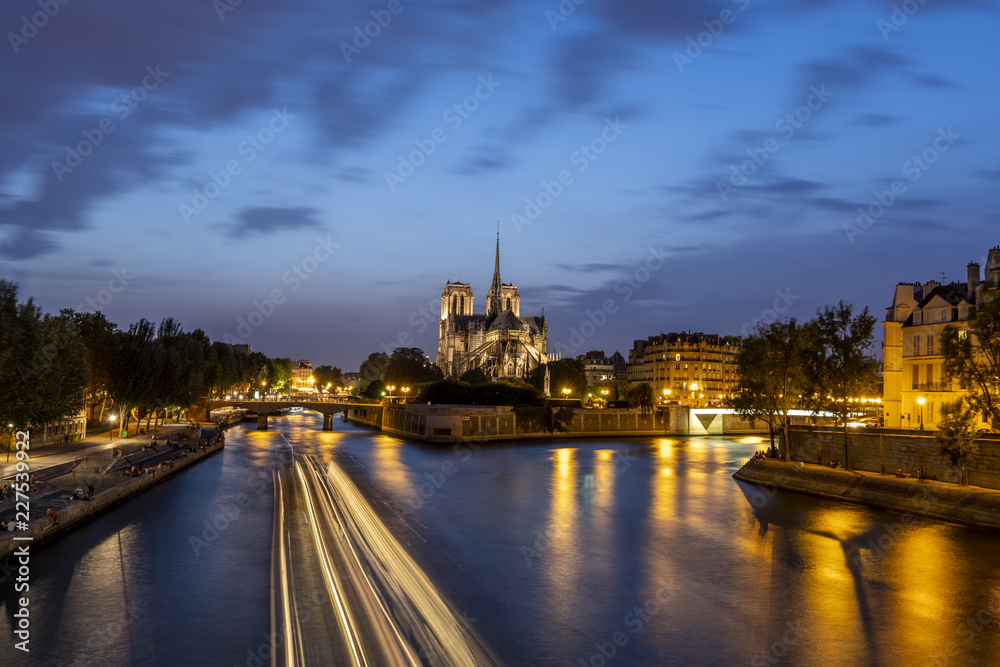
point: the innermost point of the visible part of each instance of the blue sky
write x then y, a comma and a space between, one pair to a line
642, 110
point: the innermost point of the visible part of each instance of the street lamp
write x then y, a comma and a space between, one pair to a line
390, 388
111, 418
666, 395
566, 392
920, 401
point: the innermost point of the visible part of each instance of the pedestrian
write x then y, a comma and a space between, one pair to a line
90, 492
52, 515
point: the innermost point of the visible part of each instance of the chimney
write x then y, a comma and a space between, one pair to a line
973, 280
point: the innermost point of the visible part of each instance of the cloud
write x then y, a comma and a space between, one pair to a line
271, 219
875, 120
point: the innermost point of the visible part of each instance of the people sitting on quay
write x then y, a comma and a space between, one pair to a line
8, 524
50, 513
835, 463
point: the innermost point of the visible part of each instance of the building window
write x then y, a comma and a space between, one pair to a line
463, 303
454, 303
508, 303
930, 344
916, 376
916, 346
930, 375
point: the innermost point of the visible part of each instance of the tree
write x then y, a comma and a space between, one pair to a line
408, 367
98, 336
474, 376
328, 377
136, 369
372, 368
43, 364
640, 396
770, 366
837, 363
973, 358
280, 373
563, 374
956, 436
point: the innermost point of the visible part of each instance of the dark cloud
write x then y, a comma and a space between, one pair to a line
24, 244
875, 120
268, 220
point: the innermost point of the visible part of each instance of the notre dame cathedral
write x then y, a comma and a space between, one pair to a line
501, 342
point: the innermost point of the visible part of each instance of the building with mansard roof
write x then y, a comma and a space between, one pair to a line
693, 369
915, 385
500, 342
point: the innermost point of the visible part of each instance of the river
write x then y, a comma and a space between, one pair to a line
640, 551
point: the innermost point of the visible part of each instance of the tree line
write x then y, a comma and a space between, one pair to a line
51, 364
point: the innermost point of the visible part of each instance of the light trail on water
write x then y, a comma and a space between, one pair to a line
382, 609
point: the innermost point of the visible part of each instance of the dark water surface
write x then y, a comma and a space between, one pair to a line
592, 552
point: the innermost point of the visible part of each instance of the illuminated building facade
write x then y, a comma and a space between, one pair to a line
695, 369
501, 342
913, 366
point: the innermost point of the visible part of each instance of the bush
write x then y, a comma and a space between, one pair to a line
453, 392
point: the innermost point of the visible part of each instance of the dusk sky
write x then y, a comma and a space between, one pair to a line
713, 157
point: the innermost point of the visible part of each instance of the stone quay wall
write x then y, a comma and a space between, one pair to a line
460, 423
43, 530
884, 450
936, 500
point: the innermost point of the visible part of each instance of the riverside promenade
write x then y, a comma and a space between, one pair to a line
968, 505
61, 470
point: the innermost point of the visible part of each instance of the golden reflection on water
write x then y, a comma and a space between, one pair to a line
562, 534
388, 467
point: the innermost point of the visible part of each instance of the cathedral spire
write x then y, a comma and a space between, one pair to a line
495, 301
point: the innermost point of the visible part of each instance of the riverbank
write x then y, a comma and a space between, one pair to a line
503, 423
967, 505
41, 529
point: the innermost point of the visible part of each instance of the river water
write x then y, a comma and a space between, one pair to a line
578, 552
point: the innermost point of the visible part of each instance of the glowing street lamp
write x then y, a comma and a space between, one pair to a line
111, 432
921, 401
566, 392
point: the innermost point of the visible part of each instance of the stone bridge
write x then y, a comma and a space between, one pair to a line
262, 409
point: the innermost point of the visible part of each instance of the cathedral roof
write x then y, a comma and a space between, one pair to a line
507, 320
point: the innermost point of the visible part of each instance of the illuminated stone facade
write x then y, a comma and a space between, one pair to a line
501, 342
695, 369
913, 366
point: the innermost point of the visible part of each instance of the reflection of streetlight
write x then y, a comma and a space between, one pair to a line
920, 400
111, 418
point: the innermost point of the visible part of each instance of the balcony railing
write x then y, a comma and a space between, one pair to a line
933, 386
